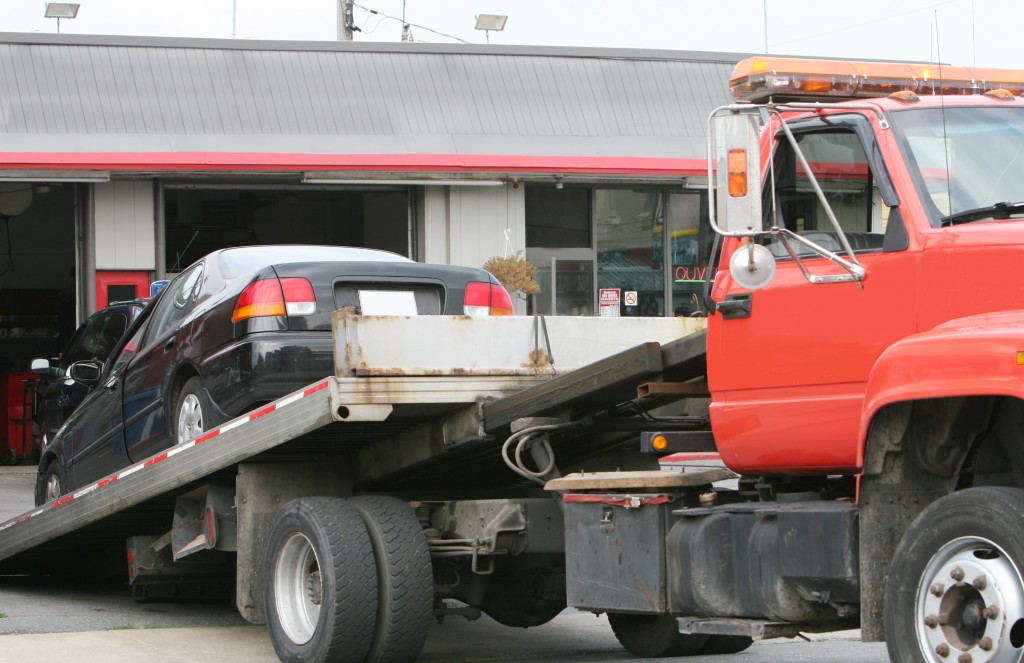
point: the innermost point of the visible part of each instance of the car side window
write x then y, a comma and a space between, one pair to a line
130, 349
175, 303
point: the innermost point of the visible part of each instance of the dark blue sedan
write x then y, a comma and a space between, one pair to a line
237, 329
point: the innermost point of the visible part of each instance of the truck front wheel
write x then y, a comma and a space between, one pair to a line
321, 582
956, 583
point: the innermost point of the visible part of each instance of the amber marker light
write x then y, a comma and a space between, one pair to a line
660, 442
1020, 358
737, 173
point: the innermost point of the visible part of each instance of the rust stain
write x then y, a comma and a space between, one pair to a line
647, 595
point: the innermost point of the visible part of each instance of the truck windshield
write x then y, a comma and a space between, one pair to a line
968, 162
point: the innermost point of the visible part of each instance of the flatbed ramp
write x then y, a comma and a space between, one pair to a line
389, 430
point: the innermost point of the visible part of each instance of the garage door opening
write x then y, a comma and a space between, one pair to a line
200, 219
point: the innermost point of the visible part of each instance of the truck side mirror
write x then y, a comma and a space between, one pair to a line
735, 134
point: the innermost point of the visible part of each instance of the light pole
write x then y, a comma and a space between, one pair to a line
59, 10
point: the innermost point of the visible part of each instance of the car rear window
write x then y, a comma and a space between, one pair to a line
239, 261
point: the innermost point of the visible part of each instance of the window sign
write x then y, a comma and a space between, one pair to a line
609, 302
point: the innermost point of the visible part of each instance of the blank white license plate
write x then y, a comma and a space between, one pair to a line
387, 302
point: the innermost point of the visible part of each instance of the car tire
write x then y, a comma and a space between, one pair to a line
654, 636
320, 591
50, 484
955, 588
190, 416
405, 579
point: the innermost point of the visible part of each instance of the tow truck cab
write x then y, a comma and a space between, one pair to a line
867, 311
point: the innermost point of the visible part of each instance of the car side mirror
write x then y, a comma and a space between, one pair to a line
42, 366
86, 372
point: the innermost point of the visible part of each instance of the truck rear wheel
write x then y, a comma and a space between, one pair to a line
654, 636
956, 583
405, 581
321, 582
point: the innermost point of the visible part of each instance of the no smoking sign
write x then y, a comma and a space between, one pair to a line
630, 298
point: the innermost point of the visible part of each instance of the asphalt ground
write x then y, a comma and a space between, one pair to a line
44, 619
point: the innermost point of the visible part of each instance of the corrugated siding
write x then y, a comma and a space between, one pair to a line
135, 90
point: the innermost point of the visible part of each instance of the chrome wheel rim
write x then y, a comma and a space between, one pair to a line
298, 589
190, 418
970, 604
53, 490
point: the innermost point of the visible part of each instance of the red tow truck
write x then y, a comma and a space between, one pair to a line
861, 376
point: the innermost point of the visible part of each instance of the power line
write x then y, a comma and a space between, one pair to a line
865, 23
421, 27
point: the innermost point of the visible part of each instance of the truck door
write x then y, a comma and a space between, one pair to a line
788, 377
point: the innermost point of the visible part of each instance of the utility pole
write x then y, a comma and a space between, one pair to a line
345, 19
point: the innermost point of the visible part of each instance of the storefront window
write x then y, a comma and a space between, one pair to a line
691, 239
629, 229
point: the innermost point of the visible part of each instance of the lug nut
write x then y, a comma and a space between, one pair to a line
957, 574
938, 589
942, 650
991, 612
964, 658
931, 621
985, 644
979, 583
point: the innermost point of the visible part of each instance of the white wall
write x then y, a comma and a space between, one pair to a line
477, 219
125, 231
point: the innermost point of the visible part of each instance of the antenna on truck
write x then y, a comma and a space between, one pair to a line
942, 111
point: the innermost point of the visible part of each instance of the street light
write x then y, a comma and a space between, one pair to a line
490, 22
59, 10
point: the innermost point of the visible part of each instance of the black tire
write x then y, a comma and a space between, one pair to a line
966, 535
654, 636
405, 581
52, 474
189, 416
726, 644
320, 539
521, 590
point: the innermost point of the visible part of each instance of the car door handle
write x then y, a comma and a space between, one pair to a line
169, 345
735, 306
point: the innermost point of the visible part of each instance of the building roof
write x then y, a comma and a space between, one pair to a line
131, 103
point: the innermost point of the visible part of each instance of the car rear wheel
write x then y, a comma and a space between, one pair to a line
190, 418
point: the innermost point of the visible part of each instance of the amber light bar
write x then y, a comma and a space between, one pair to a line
759, 79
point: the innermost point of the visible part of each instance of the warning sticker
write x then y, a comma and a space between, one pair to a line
609, 302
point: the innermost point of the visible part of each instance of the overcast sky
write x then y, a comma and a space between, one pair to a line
985, 33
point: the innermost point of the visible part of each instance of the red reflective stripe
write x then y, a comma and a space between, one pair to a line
108, 480
684, 456
207, 436
63, 500
131, 555
259, 413
612, 501
21, 520
156, 459
313, 390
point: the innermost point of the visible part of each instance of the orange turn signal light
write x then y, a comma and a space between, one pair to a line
660, 442
737, 163
1020, 358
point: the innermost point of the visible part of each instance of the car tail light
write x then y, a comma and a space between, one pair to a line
275, 297
298, 296
486, 299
